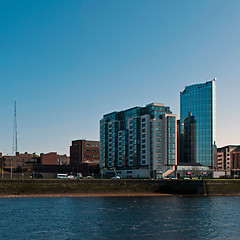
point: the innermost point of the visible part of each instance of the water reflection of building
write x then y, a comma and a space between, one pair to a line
198, 124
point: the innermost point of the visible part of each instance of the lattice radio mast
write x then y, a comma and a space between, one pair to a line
14, 146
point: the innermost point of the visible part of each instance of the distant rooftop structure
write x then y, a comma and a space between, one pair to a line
139, 110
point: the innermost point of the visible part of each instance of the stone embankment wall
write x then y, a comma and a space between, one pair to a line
178, 187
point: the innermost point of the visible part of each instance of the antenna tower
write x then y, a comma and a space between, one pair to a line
14, 146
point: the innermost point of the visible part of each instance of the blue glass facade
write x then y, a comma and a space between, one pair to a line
198, 124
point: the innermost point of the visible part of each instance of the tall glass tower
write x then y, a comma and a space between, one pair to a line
198, 124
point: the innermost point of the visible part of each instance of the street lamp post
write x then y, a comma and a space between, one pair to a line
11, 168
2, 168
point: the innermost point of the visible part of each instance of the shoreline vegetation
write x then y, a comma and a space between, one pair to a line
117, 188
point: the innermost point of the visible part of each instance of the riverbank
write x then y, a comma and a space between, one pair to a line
89, 195
105, 188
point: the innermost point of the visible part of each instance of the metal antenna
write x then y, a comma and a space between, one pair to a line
14, 146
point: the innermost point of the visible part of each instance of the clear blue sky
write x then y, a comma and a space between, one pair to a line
69, 62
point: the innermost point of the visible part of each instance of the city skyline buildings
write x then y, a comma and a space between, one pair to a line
187, 87
64, 61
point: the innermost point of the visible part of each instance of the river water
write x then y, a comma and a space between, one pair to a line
120, 218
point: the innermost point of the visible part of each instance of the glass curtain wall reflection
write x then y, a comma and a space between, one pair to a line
198, 124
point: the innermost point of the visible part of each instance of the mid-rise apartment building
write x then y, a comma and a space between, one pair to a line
139, 142
226, 160
236, 161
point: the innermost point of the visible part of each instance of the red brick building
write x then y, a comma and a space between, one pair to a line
53, 158
13, 163
236, 160
84, 151
25, 162
49, 158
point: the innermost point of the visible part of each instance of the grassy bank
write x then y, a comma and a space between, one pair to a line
179, 187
